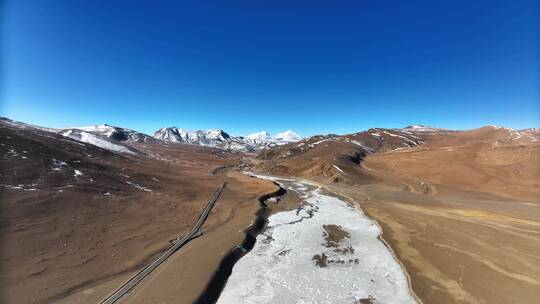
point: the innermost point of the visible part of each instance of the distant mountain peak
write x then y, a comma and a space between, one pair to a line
422, 128
289, 136
221, 139
264, 137
210, 137
112, 132
260, 137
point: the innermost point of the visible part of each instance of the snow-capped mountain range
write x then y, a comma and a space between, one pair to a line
221, 139
114, 138
212, 137
118, 139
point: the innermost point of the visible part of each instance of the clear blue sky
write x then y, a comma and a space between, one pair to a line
311, 66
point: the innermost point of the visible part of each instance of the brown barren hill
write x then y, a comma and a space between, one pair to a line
76, 219
191, 269
461, 209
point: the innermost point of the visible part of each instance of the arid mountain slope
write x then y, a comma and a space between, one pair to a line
491, 160
82, 211
321, 156
74, 215
460, 209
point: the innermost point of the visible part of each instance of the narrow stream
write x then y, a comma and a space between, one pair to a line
326, 251
219, 279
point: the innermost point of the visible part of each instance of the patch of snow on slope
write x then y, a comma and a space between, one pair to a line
138, 186
102, 129
238, 146
368, 149
338, 168
96, 141
319, 142
393, 135
117, 133
515, 134
403, 137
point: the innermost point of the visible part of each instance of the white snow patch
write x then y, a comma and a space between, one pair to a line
138, 186
280, 268
13, 187
393, 135
337, 168
319, 142
96, 140
30, 187
362, 145
103, 129
237, 146
77, 173
403, 137
515, 134
12, 152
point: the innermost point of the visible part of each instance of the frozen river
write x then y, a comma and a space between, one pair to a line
326, 251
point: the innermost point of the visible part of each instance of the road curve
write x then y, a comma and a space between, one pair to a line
194, 232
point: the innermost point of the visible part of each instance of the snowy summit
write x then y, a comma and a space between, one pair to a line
420, 128
220, 139
288, 136
266, 138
